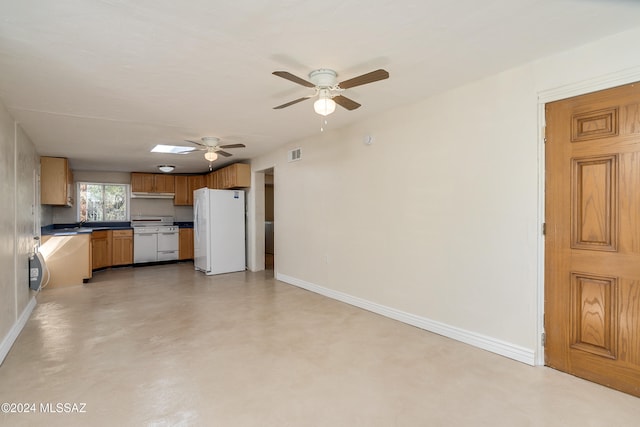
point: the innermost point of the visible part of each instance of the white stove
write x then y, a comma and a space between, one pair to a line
155, 238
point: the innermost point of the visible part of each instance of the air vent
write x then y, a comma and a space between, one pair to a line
295, 155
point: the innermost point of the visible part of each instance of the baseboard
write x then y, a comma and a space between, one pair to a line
11, 337
493, 345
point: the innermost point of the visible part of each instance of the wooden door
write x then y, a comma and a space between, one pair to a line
592, 245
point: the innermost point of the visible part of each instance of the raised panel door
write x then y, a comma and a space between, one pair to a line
592, 243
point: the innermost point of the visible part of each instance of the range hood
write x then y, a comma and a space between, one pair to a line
152, 195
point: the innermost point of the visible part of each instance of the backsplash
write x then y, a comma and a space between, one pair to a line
165, 207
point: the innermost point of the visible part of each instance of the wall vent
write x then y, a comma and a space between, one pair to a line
295, 155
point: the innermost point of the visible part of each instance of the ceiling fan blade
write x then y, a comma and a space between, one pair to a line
291, 103
224, 153
371, 77
291, 77
345, 102
232, 146
195, 142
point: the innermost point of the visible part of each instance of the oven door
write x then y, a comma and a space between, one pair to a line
145, 246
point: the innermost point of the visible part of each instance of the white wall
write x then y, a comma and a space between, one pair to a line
438, 220
18, 165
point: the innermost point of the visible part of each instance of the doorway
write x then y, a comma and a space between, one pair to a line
592, 242
269, 252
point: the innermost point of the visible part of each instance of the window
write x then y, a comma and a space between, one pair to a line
103, 202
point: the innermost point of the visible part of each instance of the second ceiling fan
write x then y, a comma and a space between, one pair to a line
211, 146
328, 90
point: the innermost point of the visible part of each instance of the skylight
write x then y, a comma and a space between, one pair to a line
173, 149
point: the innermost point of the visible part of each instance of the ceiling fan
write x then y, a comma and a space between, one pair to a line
211, 146
326, 87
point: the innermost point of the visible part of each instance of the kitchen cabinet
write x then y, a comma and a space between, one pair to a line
56, 182
195, 182
122, 247
152, 183
184, 187
212, 180
101, 249
181, 185
185, 244
237, 175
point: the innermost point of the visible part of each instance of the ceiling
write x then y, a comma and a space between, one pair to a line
102, 81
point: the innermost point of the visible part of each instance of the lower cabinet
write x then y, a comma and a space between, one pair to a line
110, 248
185, 244
100, 249
122, 247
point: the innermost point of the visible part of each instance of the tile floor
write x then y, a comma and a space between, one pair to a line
168, 346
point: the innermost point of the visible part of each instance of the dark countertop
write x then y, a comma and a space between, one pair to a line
86, 228
184, 224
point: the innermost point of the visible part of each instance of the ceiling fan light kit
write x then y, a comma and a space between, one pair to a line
210, 156
324, 105
328, 90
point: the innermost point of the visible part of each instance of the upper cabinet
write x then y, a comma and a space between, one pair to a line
185, 186
56, 181
237, 175
152, 183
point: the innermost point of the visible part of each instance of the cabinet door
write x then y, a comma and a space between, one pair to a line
182, 191
195, 182
54, 181
101, 248
122, 252
186, 244
242, 176
141, 182
163, 183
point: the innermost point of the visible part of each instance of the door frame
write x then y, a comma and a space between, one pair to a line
606, 81
255, 219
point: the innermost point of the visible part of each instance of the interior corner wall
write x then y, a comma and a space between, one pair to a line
438, 219
18, 164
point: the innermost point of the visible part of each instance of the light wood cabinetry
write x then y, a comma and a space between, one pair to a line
237, 175
56, 182
163, 183
152, 183
195, 182
182, 191
184, 186
185, 248
122, 247
101, 249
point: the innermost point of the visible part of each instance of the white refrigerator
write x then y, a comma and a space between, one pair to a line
218, 231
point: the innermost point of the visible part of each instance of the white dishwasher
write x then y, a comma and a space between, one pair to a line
155, 238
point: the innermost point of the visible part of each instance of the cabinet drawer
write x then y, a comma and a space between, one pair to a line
122, 233
103, 234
